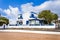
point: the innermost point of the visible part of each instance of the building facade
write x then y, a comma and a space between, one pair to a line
31, 20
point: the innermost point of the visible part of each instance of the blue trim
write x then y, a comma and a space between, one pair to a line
32, 16
33, 12
20, 17
41, 22
27, 22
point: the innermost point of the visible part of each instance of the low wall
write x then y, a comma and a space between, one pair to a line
45, 26
1, 26
30, 27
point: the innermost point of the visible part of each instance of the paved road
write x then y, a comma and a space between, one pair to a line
27, 36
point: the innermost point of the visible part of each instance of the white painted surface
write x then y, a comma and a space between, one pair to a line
26, 26
58, 18
31, 26
1, 26
26, 16
27, 31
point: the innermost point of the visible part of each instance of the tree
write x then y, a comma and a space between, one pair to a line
48, 16
55, 16
3, 20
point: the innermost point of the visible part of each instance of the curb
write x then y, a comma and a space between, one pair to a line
28, 31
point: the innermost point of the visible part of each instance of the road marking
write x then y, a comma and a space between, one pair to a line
28, 31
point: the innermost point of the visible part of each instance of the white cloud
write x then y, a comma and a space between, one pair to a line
12, 13
1, 9
27, 7
7, 11
54, 6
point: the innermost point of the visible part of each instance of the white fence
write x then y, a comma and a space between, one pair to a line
31, 26
4, 26
45, 26
1, 26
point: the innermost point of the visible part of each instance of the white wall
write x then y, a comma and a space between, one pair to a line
31, 26
26, 17
1, 26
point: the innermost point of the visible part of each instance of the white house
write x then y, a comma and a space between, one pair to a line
30, 20
23, 18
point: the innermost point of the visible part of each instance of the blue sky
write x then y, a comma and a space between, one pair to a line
4, 4
16, 3
11, 8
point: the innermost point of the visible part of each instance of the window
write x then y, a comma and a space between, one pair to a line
32, 22
37, 22
20, 22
